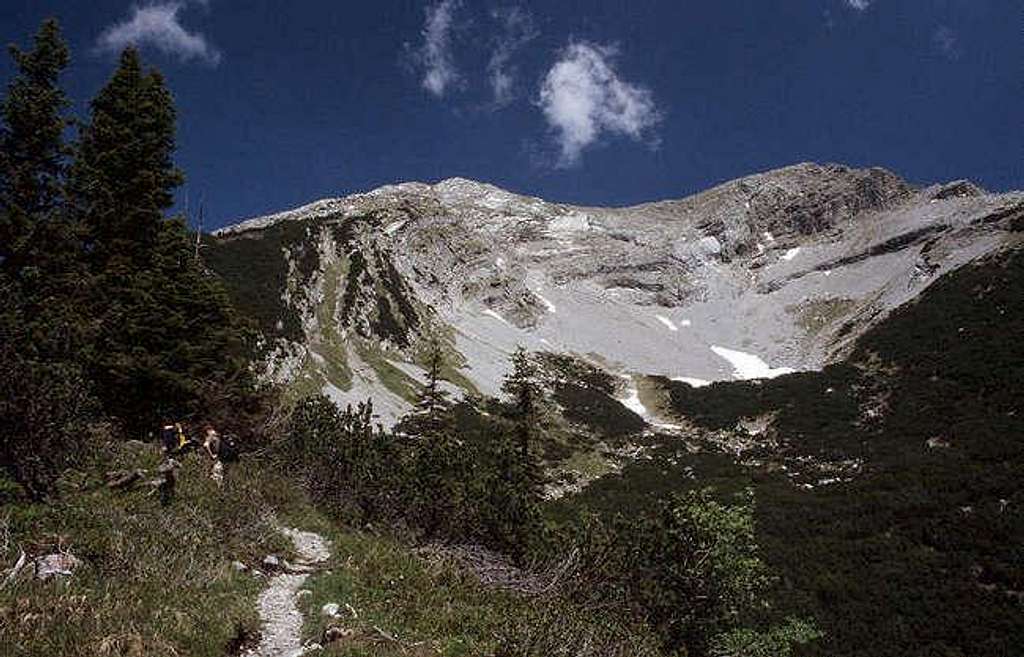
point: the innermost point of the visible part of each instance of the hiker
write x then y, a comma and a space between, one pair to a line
172, 438
212, 445
211, 441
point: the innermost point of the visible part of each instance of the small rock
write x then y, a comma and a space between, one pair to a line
239, 566
332, 634
311, 647
331, 609
304, 593
56, 565
271, 562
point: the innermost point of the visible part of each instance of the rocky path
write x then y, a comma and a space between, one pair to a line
282, 621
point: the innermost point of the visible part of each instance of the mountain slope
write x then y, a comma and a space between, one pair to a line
771, 273
888, 484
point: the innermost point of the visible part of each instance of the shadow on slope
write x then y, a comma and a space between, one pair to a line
888, 485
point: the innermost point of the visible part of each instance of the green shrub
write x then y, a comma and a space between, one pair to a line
690, 569
436, 484
47, 413
777, 641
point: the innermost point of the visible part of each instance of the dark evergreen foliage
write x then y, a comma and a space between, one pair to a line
47, 408
438, 484
918, 554
167, 337
32, 149
123, 177
102, 294
690, 568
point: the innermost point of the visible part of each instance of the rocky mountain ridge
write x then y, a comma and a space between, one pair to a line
771, 273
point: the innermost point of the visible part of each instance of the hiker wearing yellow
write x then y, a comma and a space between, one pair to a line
172, 438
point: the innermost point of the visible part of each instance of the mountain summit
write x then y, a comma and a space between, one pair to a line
764, 275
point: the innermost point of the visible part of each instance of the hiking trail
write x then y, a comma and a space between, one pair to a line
279, 612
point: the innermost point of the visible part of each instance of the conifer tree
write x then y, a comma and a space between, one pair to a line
32, 149
433, 401
168, 338
40, 256
523, 472
524, 391
124, 176
45, 401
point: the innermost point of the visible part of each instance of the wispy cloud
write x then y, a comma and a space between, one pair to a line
158, 25
582, 97
434, 56
517, 29
947, 42
859, 5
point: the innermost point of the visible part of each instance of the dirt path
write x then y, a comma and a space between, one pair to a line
282, 621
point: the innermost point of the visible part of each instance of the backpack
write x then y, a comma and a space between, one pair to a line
228, 449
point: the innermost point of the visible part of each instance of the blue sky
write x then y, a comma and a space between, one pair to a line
594, 102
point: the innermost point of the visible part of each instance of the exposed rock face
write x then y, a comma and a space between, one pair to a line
770, 273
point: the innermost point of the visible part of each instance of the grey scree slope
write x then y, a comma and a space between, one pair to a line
771, 273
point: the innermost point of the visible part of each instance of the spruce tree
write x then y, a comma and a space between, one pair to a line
169, 344
124, 176
527, 398
32, 149
432, 404
45, 401
40, 256
523, 471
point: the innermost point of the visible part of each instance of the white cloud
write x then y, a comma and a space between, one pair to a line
517, 30
435, 55
158, 25
859, 5
947, 42
583, 97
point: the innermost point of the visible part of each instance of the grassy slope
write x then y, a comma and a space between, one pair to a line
921, 554
155, 580
255, 270
409, 605
159, 581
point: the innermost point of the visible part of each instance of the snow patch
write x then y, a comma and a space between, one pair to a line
711, 245
668, 322
749, 366
632, 401
689, 380
547, 304
790, 254
395, 227
491, 313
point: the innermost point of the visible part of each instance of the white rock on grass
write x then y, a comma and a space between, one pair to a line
56, 565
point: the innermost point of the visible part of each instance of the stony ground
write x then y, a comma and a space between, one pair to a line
279, 612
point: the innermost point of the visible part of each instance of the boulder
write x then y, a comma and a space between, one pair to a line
56, 565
